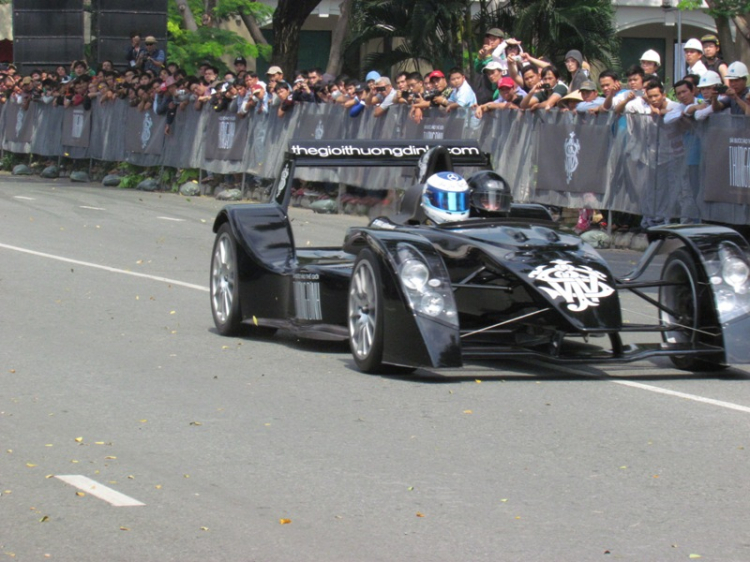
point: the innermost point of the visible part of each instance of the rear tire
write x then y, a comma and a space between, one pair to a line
692, 306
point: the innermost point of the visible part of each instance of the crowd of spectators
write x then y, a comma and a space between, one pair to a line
506, 78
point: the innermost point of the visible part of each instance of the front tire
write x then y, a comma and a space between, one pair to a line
365, 313
689, 309
225, 294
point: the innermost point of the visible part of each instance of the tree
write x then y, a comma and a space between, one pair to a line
288, 19
190, 43
724, 11
335, 58
553, 27
411, 31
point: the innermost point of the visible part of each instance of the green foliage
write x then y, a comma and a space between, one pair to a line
720, 9
428, 30
131, 181
186, 175
551, 28
189, 48
9, 160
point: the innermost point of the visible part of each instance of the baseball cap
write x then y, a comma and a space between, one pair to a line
651, 56
506, 82
372, 75
150, 40
240, 60
588, 85
492, 65
495, 32
283, 84
274, 70
693, 45
709, 78
737, 70
710, 38
435, 74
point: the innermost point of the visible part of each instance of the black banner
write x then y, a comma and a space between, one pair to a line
145, 132
226, 136
76, 127
728, 178
571, 153
18, 123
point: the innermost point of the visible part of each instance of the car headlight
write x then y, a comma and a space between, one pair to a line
432, 304
414, 274
734, 271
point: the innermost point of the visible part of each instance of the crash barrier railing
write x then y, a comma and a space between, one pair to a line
634, 163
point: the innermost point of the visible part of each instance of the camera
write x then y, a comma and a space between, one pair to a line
518, 59
380, 89
545, 86
722, 88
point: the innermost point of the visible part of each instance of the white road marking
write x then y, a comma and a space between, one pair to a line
93, 208
659, 390
106, 268
100, 491
686, 396
171, 219
24, 198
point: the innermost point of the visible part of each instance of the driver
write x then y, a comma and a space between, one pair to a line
445, 198
490, 194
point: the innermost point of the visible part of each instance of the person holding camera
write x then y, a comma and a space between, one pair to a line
154, 58
136, 52
383, 96
737, 96
546, 93
301, 91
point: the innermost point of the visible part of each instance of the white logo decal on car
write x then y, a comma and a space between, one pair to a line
579, 286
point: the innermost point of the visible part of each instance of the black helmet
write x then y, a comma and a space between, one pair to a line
490, 193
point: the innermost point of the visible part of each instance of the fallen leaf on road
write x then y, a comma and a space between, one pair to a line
420, 514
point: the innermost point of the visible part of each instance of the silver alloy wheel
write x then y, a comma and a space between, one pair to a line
223, 278
363, 308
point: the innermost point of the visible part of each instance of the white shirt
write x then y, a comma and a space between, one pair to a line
642, 107
698, 68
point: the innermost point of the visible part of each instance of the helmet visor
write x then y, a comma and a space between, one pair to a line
451, 201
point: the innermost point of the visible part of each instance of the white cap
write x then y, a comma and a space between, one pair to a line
693, 44
651, 56
737, 70
709, 78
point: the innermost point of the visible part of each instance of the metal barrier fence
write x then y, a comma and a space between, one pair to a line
635, 164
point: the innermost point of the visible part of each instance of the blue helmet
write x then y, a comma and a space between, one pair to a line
446, 198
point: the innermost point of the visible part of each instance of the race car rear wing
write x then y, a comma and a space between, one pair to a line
375, 153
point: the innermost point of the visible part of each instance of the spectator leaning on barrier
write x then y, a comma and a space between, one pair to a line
653, 102
570, 101
591, 101
284, 92
383, 96
545, 94
682, 115
650, 63
693, 53
509, 98
635, 80
737, 97
402, 89
711, 58
462, 94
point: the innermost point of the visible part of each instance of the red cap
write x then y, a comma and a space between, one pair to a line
435, 73
506, 82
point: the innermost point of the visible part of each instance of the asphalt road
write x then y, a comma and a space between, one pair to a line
279, 449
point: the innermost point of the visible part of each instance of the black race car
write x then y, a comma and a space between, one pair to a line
407, 294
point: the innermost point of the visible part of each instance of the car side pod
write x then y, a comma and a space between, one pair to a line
722, 257
420, 317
